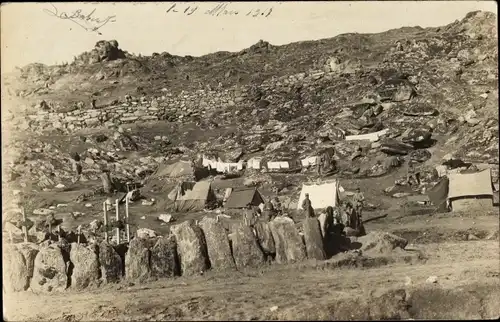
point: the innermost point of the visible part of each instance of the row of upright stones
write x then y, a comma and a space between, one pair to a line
190, 249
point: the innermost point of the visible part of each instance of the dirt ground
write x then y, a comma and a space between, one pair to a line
467, 286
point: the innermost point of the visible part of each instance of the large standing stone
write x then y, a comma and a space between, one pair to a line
137, 265
313, 239
265, 238
85, 266
29, 251
289, 244
111, 263
15, 270
246, 250
49, 273
191, 247
219, 251
164, 259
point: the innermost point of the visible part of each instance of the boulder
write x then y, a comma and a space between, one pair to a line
246, 250
313, 239
29, 252
49, 273
392, 147
289, 244
191, 248
219, 250
85, 266
111, 263
15, 270
418, 135
137, 265
381, 242
265, 238
164, 259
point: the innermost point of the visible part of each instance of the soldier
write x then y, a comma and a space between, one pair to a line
359, 200
329, 220
345, 215
412, 173
268, 213
307, 206
319, 164
249, 217
277, 206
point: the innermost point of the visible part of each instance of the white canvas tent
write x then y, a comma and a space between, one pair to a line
467, 190
321, 195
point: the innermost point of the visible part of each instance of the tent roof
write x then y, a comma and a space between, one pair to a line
470, 184
242, 197
200, 191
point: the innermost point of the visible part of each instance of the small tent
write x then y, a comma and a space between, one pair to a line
180, 169
470, 190
192, 196
321, 195
244, 197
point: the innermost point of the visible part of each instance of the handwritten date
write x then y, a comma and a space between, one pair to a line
221, 9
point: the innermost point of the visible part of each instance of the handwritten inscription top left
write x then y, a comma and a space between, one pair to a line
87, 21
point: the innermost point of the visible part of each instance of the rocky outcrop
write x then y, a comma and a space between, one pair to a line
15, 271
246, 250
110, 262
85, 266
137, 260
219, 250
289, 244
313, 239
191, 248
164, 258
50, 270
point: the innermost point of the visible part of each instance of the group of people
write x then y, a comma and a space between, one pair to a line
347, 214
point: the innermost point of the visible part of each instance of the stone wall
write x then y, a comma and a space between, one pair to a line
168, 106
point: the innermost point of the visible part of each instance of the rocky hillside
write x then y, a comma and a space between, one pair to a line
434, 90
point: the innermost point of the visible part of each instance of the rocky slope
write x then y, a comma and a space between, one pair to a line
434, 90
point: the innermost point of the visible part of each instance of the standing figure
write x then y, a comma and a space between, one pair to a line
307, 206
249, 217
359, 201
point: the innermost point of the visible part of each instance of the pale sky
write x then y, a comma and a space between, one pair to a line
30, 34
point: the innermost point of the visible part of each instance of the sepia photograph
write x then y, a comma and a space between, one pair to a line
267, 160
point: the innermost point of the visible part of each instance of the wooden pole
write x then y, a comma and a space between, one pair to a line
59, 233
79, 233
105, 221
25, 229
117, 203
126, 218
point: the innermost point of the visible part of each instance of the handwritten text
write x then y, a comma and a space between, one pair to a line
221, 9
87, 21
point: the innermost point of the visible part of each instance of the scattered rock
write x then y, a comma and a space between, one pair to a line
166, 218
313, 239
289, 244
164, 259
49, 273
137, 265
191, 248
146, 233
86, 266
432, 279
246, 250
219, 250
